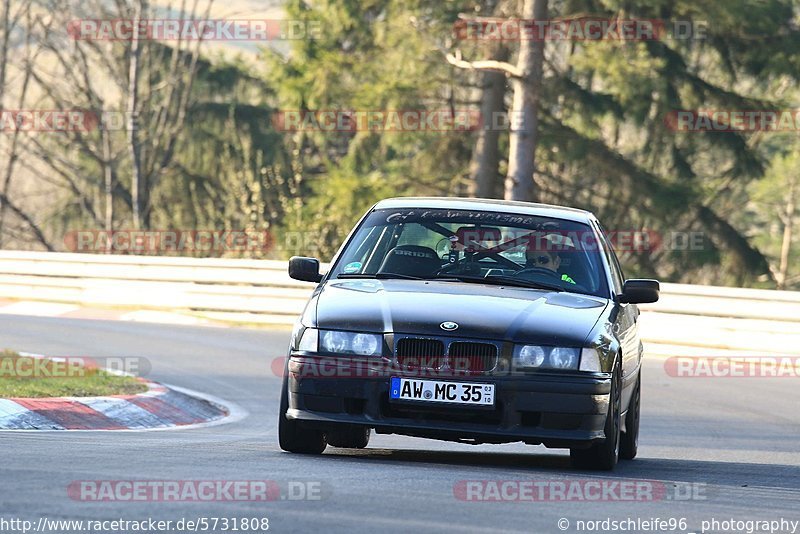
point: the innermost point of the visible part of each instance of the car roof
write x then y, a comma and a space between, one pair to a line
487, 204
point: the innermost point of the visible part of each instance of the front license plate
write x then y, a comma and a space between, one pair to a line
413, 389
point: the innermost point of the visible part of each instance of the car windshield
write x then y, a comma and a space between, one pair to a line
475, 247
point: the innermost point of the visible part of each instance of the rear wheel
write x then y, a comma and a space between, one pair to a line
349, 437
603, 456
291, 436
629, 442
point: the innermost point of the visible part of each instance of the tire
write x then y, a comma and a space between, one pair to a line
603, 456
291, 436
629, 442
349, 437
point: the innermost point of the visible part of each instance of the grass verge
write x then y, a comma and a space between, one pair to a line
23, 376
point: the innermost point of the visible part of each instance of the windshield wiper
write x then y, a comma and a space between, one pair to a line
492, 280
380, 276
525, 283
499, 280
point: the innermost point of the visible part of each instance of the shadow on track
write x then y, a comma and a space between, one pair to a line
662, 469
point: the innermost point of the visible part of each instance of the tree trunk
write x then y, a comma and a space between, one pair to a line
108, 181
138, 184
788, 230
5, 21
525, 110
484, 167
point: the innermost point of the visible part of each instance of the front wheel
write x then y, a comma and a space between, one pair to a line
294, 438
349, 437
629, 442
603, 456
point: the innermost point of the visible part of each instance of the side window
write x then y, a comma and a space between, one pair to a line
613, 264
378, 249
618, 266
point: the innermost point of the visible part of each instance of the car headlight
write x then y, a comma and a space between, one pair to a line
366, 344
361, 344
531, 356
334, 341
564, 358
539, 357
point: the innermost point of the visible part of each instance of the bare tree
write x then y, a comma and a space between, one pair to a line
162, 108
138, 184
146, 81
75, 159
22, 22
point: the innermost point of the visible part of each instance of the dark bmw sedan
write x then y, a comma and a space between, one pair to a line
476, 321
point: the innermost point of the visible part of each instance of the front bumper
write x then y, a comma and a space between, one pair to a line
557, 410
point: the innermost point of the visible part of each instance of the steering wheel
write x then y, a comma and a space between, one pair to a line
547, 273
550, 276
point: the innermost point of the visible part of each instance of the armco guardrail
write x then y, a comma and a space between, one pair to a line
251, 290
260, 291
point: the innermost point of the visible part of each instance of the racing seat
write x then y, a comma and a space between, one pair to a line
411, 260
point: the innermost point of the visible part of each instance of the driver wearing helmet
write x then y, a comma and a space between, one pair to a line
545, 259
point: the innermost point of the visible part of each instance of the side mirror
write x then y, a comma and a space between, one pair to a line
304, 269
640, 291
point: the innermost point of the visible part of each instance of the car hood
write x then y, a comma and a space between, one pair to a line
481, 311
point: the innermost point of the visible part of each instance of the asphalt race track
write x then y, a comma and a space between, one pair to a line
736, 441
